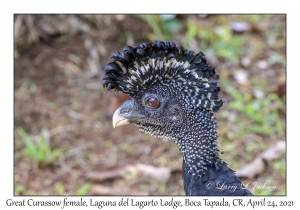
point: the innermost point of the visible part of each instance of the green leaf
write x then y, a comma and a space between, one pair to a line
84, 189
174, 26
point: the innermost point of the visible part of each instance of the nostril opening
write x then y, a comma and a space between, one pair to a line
126, 111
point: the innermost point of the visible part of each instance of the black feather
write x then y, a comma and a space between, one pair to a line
183, 81
138, 57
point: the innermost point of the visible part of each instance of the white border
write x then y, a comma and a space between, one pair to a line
8, 8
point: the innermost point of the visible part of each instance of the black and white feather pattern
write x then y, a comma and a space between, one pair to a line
184, 81
136, 69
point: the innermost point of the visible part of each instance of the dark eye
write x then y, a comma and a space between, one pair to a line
152, 102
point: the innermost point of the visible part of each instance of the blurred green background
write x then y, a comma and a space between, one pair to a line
64, 140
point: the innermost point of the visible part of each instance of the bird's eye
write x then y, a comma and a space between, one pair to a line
152, 102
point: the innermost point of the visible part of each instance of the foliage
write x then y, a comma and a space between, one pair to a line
16, 53
162, 188
41, 152
19, 189
162, 25
264, 188
263, 113
242, 139
59, 189
262, 191
218, 41
126, 147
84, 190
280, 166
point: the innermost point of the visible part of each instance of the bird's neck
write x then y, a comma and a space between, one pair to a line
198, 144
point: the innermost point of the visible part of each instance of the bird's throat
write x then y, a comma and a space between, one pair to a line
199, 144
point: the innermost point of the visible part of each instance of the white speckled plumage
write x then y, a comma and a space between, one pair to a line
187, 87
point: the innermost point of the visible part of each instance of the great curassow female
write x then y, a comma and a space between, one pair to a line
174, 94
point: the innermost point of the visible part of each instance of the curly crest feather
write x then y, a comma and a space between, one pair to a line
137, 69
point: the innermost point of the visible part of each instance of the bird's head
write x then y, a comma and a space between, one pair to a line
169, 86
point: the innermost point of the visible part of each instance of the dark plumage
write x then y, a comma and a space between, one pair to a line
174, 94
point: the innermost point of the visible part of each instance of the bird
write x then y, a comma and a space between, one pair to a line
174, 95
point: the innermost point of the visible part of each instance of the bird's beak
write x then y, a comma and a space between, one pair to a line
126, 114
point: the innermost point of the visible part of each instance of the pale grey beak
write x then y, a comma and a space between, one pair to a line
118, 120
126, 114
